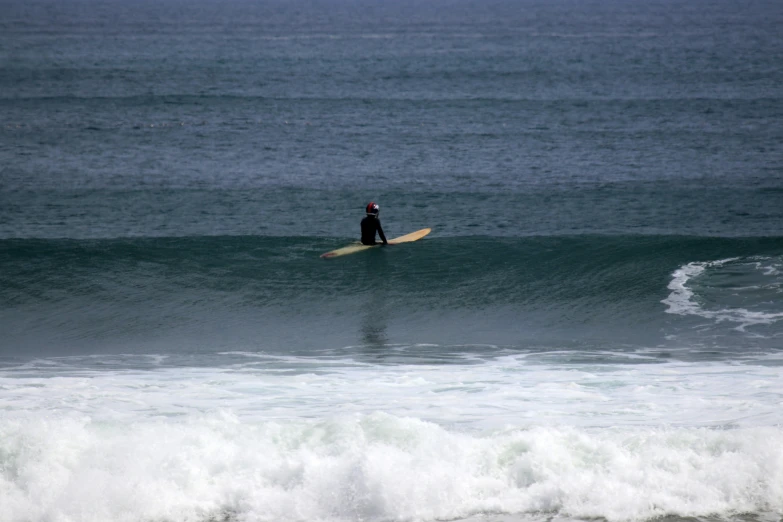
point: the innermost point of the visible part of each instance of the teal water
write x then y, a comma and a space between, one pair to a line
207, 293
592, 330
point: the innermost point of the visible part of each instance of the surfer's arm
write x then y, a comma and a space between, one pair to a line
380, 233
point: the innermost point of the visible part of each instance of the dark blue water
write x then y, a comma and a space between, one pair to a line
592, 329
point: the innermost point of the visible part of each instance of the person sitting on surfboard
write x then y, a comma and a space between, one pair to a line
371, 224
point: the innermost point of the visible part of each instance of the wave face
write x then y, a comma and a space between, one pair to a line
518, 291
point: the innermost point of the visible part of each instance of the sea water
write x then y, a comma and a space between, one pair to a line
592, 331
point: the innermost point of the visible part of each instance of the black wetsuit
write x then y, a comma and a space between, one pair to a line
370, 225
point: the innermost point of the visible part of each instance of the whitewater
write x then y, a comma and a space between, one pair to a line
625, 437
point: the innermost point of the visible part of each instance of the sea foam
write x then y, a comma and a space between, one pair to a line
525, 435
377, 467
765, 284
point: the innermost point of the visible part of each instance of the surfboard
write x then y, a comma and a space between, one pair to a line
358, 247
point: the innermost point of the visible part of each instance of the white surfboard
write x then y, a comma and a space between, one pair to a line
358, 247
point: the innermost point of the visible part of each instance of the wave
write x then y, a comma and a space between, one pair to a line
446, 290
379, 468
494, 269
755, 283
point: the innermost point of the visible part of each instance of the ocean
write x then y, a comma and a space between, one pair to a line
593, 331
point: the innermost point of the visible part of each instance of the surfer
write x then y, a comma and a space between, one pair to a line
372, 224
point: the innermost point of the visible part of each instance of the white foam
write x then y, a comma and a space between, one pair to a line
375, 468
769, 268
681, 300
509, 390
518, 434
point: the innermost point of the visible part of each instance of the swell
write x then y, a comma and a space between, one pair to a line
448, 272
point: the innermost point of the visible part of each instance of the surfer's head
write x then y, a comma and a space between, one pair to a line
373, 209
